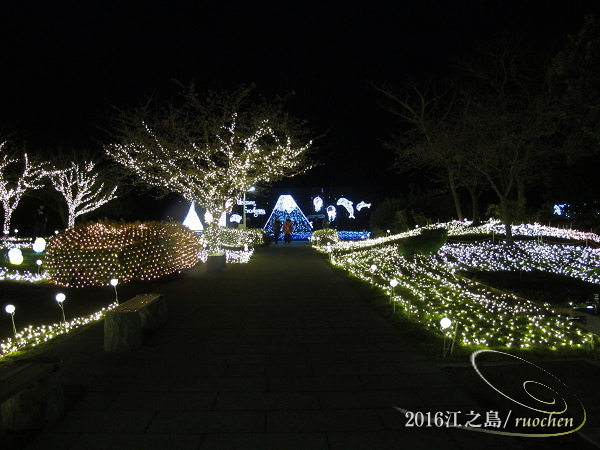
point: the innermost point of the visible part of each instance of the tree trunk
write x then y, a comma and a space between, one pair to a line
521, 201
7, 217
475, 206
455, 195
504, 206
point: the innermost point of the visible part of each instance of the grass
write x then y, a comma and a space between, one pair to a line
409, 329
538, 286
29, 260
431, 343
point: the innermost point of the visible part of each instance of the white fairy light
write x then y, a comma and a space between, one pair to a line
212, 173
427, 287
348, 205
81, 189
318, 203
11, 188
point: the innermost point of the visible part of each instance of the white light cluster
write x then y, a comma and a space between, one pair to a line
15, 275
574, 261
11, 189
285, 207
231, 256
30, 336
428, 290
14, 242
81, 189
213, 175
93, 254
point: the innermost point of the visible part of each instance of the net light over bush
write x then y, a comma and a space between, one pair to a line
94, 254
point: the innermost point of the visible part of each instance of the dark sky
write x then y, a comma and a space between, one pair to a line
63, 64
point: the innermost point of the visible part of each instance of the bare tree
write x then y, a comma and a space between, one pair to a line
505, 113
210, 150
16, 178
81, 188
434, 142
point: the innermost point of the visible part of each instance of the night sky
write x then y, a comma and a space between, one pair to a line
65, 64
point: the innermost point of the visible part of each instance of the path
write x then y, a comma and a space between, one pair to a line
278, 353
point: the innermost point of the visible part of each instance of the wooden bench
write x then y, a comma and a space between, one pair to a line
31, 394
123, 325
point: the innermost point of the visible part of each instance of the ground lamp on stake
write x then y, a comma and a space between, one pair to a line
373, 270
114, 283
446, 323
393, 284
39, 264
10, 309
60, 298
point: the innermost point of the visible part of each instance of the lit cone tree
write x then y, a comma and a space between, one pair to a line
210, 150
16, 178
81, 189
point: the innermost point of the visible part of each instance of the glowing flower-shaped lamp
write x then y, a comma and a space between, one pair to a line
10, 309
114, 283
60, 298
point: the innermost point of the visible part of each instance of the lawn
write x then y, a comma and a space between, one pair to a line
430, 288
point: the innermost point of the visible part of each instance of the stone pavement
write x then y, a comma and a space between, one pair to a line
278, 353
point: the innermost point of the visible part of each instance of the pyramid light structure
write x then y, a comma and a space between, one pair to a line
286, 207
192, 221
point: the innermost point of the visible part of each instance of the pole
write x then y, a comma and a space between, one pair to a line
244, 210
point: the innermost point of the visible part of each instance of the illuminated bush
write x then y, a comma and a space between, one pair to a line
427, 242
227, 237
93, 254
325, 236
259, 237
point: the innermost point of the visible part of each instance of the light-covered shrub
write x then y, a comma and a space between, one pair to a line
325, 236
93, 254
259, 237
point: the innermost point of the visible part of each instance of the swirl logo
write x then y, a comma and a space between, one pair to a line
540, 404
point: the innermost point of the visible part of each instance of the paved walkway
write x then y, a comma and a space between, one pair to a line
279, 353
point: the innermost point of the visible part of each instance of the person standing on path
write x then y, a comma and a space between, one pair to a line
39, 219
276, 229
288, 228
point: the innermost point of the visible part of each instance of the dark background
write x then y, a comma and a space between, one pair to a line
65, 64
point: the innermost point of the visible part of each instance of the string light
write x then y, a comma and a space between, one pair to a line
81, 189
96, 253
11, 189
30, 337
428, 287
286, 207
348, 205
213, 173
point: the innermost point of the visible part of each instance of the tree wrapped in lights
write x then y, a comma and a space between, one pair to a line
14, 183
210, 150
81, 188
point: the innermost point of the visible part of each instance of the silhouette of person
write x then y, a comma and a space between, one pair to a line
288, 228
276, 229
40, 219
